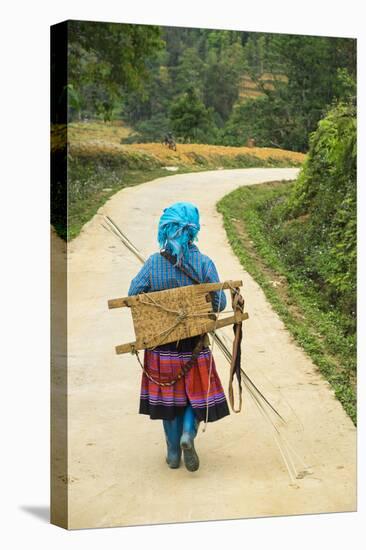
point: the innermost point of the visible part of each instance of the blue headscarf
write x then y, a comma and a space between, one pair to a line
178, 225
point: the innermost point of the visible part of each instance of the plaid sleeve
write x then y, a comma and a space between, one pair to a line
218, 298
141, 283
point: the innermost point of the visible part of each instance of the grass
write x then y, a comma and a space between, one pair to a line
96, 139
83, 132
214, 156
322, 331
106, 183
92, 182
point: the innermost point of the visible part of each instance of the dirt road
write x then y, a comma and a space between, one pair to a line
118, 474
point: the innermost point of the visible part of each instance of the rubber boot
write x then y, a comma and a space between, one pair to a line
190, 427
173, 431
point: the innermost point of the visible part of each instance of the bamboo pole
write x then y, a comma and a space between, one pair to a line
253, 390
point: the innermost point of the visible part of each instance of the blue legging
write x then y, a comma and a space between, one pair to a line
185, 422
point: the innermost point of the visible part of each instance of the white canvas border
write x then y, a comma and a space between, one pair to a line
25, 270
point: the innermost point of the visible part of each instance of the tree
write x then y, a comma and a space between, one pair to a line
223, 79
311, 65
261, 119
325, 197
308, 73
111, 57
190, 119
189, 71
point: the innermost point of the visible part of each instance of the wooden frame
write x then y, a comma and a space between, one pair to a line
170, 315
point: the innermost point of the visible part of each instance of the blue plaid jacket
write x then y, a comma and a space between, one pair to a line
158, 273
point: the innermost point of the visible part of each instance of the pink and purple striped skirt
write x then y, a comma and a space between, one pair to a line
166, 402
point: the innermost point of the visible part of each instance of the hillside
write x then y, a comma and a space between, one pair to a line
206, 86
299, 242
99, 166
248, 88
102, 141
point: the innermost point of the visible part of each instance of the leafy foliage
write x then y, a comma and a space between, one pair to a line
321, 214
258, 230
222, 80
304, 236
191, 119
318, 70
104, 61
150, 130
255, 118
143, 74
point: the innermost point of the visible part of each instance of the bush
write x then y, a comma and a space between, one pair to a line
249, 119
191, 120
150, 130
322, 208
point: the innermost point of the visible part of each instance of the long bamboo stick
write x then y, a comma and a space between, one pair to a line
253, 390
220, 343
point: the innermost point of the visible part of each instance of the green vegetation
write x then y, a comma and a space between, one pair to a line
233, 100
299, 242
90, 185
105, 61
207, 86
191, 120
96, 174
322, 210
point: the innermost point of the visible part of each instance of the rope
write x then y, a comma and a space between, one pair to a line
238, 304
160, 306
260, 400
156, 304
195, 353
181, 316
211, 356
166, 332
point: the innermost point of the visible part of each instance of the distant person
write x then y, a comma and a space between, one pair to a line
170, 141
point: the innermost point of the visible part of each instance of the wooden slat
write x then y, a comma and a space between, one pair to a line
118, 302
203, 288
211, 287
209, 327
126, 348
229, 321
174, 314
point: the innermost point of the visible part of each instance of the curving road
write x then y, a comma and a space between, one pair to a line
117, 470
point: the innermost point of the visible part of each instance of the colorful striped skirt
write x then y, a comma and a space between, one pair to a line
166, 402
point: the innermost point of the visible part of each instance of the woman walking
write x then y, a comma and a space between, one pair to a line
192, 391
